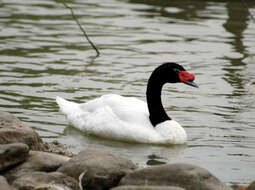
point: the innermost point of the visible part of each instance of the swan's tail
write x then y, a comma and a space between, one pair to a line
67, 107
73, 112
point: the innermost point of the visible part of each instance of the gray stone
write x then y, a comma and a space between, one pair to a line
103, 169
43, 161
37, 161
58, 148
51, 187
251, 186
4, 184
134, 187
12, 154
12, 130
239, 187
37, 180
187, 176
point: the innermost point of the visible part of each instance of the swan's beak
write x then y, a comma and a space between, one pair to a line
192, 83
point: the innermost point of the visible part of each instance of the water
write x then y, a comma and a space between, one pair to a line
44, 54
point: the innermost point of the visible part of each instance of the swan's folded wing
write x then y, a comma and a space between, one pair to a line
127, 109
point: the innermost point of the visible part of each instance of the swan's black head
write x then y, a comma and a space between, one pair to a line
165, 73
174, 73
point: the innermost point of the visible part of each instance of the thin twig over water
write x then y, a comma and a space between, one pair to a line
249, 12
82, 29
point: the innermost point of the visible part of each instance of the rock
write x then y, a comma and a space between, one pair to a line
12, 154
3, 184
12, 130
239, 187
37, 180
187, 176
37, 161
251, 186
51, 187
134, 187
58, 148
43, 161
103, 169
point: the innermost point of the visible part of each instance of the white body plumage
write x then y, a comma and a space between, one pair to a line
121, 118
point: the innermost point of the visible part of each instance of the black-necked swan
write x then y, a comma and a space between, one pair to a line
128, 118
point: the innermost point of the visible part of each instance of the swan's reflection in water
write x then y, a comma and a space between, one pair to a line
141, 154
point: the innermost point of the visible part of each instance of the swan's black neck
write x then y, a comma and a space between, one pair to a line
161, 75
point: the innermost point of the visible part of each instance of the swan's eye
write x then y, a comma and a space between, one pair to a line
176, 70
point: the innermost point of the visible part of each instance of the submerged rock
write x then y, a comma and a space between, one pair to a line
58, 148
37, 180
12, 154
187, 176
102, 169
12, 130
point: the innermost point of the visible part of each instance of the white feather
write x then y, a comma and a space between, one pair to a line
121, 118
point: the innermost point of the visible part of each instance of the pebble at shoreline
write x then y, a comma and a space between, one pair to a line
27, 163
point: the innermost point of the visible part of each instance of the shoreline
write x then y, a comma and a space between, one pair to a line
26, 162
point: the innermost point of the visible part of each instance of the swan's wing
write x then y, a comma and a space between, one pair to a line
126, 109
112, 116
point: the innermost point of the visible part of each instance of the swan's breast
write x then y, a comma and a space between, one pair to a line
171, 132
